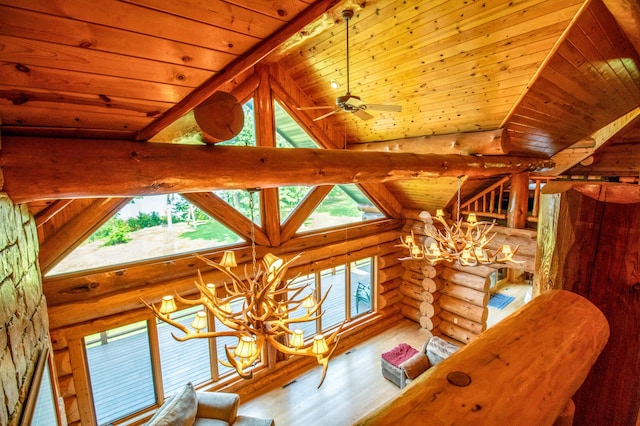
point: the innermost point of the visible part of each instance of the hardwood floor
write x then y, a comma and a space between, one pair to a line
353, 387
519, 291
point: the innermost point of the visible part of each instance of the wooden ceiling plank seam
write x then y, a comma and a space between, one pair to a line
424, 53
446, 49
552, 51
33, 116
627, 15
33, 52
118, 14
593, 77
448, 26
622, 40
222, 14
74, 232
77, 82
553, 100
65, 132
438, 70
24, 97
276, 10
602, 43
236, 67
61, 30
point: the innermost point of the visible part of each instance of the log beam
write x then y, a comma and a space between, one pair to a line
506, 385
33, 169
491, 142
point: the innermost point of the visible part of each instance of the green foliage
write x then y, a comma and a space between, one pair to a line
115, 231
145, 220
211, 231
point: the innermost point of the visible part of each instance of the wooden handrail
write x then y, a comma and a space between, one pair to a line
488, 203
523, 370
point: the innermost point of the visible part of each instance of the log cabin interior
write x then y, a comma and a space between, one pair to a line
523, 112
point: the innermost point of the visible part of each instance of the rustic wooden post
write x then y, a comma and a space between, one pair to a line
517, 212
589, 243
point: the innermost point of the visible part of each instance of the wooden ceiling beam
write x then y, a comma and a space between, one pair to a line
33, 169
581, 150
490, 142
238, 66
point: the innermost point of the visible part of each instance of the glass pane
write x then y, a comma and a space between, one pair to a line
119, 362
182, 362
288, 133
247, 136
308, 327
361, 282
343, 205
146, 228
239, 200
290, 197
334, 306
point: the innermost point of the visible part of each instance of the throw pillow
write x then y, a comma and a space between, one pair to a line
416, 365
179, 410
399, 354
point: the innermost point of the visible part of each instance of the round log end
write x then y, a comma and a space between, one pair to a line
220, 117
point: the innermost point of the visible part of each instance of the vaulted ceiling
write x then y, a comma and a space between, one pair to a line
552, 78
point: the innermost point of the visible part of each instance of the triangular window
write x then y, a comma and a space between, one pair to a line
146, 228
343, 205
289, 134
290, 198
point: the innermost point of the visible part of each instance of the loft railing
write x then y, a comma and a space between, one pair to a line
490, 202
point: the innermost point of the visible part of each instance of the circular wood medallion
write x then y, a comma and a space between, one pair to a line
220, 117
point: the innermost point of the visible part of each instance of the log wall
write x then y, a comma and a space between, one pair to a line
449, 299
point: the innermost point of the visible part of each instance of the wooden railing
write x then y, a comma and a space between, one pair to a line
489, 203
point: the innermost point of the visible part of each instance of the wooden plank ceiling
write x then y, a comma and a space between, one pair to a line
550, 72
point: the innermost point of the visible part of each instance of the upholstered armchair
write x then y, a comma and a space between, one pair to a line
190, 408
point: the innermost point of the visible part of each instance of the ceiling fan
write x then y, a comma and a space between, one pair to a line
348, 102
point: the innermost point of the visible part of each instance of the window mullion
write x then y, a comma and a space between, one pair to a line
156, 368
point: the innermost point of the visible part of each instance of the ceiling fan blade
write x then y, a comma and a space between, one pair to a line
315, 107
327, 114
354, 101
363, 114
390, 108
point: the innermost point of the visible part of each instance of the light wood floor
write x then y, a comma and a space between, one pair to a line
516, 290
354, 385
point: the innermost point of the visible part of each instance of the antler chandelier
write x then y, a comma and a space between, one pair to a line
464, 242
256, 310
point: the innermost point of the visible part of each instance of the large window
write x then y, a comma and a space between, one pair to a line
121, 360
350, 295
120, 371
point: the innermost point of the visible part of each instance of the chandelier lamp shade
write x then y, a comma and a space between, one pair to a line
257, 310
464, 242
